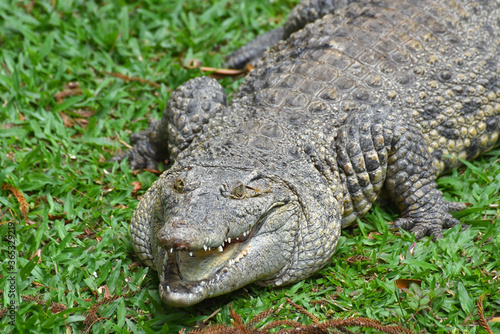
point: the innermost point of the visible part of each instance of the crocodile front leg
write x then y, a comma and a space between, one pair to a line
381, 150
411, 182
189, 110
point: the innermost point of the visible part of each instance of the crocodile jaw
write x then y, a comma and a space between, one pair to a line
186, 280
181, 297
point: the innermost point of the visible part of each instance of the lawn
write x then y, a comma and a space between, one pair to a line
76, 79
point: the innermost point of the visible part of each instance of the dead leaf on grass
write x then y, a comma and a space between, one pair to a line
403, 283
87, 233
357, 258
128, 78
57, 307
84, 113
217, 72
67, 121
137, 186
59, 217
67, 92
70, 120
20, 199
480, 312
38, 253
154, 171
105, 289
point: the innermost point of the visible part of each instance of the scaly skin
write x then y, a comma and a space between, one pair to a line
305, 12
382, 96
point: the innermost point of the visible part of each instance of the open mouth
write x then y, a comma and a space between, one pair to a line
196, 266
204, 263
188, 275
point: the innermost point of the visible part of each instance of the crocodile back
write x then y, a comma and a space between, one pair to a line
432, 61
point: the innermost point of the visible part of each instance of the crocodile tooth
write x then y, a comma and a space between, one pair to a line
236, 260
209, 249
220, 249
231, 262
205, 247
191, 254
228, 240
168, 289
171, 250
237, 238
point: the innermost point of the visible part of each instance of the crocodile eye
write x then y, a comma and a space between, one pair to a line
239, 191
179, 185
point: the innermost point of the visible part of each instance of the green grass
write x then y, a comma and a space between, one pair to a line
75, 240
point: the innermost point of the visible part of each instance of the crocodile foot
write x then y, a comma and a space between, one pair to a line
145, 153
431, 223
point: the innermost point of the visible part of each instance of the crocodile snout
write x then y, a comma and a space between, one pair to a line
177, 236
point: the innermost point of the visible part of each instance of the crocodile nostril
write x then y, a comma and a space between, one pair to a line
175, 235
179, 223
169, 241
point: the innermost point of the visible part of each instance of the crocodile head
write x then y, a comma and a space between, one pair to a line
217, 229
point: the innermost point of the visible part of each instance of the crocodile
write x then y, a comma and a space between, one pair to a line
357, 100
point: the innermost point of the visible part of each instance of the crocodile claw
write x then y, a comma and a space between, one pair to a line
431, 223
